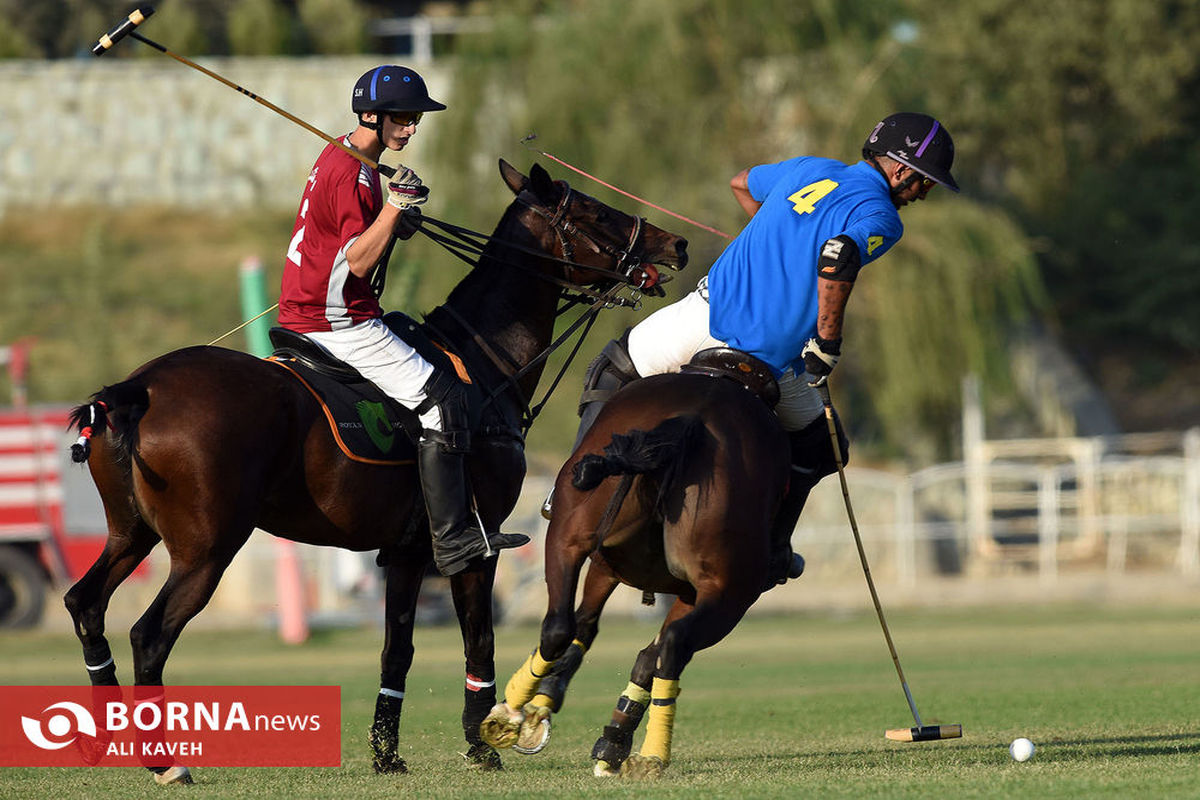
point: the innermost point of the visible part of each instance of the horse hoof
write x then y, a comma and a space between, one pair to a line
501, 726
175, 774
390, 766
640, 767
534, 732
483, 758
602, 769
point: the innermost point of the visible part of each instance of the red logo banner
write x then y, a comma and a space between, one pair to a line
157, 726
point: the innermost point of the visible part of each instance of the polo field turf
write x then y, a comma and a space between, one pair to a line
788, 706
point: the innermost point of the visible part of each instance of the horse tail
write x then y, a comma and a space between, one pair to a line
118, 407
663, 451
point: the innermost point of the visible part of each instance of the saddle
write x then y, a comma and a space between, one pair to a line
750, 372
368, 425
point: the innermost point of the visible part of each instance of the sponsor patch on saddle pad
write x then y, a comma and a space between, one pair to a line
368, 425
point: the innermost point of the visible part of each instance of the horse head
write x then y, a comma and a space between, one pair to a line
603, 245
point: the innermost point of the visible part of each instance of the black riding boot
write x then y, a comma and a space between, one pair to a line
812, 459
607, 373
457, 538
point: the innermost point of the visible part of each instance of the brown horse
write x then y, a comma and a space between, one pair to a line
206, 444
672, 490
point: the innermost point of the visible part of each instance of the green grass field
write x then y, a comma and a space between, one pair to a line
785, 707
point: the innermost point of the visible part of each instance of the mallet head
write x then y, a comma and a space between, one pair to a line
925, 733
123, 28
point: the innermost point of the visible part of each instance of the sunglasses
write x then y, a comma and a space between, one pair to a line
406, 118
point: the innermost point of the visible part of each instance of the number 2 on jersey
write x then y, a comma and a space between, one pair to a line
807, 198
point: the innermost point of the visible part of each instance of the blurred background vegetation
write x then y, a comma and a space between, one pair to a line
1076, 151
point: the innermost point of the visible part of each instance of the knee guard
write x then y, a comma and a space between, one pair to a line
446, 391
608, 372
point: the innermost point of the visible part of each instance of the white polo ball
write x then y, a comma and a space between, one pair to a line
1021, 749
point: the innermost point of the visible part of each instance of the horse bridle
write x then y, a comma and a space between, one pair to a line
566, 231
625, 259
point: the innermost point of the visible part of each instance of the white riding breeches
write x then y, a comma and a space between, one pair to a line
386, 360
668, 338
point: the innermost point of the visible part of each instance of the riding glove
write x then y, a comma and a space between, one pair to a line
405, 190
820, 357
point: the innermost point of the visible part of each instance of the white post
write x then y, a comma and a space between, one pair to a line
1048, 525
1189, 500
906, 544
422, 40
976, 463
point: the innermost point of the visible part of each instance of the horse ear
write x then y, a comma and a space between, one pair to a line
543, 185
513, 177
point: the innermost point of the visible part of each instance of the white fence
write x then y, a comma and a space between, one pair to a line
1048, 506
1039, 512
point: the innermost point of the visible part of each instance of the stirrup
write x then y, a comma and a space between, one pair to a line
548, 505
481, 547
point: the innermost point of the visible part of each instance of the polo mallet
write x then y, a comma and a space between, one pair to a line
138, 16
920, 733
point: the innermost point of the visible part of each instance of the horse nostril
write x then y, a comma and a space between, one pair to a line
681, 251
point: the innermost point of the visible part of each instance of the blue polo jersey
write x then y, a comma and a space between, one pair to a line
763, 288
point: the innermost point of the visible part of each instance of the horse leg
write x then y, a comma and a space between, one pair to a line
598, 586
472, 593
188, 588
87, 601
518, 721
403, 585
615, 743
686, 630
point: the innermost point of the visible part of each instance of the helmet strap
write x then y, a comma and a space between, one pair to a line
376, 126
894, 191
907, 182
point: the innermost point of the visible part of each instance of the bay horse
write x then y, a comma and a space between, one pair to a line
205, 444
673, 490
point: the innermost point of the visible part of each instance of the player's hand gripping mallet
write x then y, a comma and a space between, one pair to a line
920, 733
126, 28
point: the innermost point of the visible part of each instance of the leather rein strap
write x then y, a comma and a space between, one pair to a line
566, 231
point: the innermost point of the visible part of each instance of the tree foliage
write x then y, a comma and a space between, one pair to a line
1086, 132
695, 91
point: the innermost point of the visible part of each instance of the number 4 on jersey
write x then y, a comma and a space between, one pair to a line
806, 199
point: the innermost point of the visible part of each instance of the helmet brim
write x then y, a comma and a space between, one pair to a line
429, 104
934, 174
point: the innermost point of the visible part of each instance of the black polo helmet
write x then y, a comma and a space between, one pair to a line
392, 88
917, 141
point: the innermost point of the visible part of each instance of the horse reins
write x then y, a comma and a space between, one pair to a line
469, 241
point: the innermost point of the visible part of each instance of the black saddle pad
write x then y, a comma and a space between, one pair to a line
368, 425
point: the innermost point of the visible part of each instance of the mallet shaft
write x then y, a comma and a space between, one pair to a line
126, 28
823, 390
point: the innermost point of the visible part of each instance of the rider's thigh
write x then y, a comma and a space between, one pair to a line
668, 338
799, 403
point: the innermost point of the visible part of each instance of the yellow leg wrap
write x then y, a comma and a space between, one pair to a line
524, 682
660, 721
544, 700
637, 694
